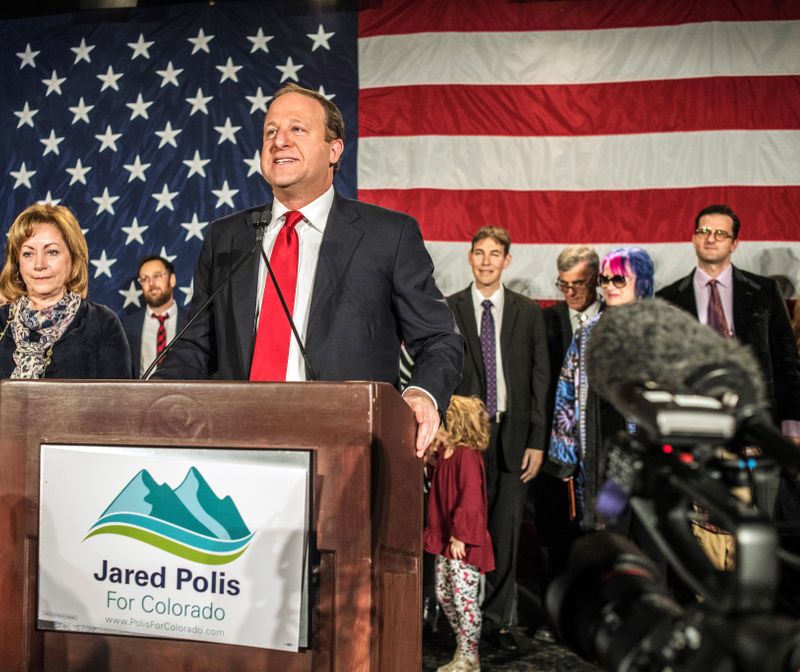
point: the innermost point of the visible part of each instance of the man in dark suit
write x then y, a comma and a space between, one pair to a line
156, 276
509, 372
363, 281
747, 306
577, 266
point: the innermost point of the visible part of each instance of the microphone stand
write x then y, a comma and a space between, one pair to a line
260, 225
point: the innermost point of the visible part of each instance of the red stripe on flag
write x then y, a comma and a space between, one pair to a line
562, 217
397, 17
588, 109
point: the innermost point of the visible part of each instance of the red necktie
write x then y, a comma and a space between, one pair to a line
716, 315
271, 353
161, 334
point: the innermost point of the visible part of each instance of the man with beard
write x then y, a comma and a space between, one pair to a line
151, 328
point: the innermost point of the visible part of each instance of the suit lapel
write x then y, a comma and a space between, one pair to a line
242, 292
342, 236
566, 326
745, 296
511, 310
685, 296
465, 311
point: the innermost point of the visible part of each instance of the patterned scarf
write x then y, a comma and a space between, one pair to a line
32, 356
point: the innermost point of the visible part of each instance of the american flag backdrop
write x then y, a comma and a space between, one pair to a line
609, 122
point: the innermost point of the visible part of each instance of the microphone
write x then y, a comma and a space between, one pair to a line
256, 219
679, 380
310, 374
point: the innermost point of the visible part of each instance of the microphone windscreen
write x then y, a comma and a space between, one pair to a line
653, 341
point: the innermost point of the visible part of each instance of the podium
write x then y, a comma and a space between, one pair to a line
366, 514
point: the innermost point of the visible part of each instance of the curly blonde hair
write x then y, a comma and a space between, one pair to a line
467, 423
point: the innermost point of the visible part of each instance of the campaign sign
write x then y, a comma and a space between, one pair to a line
208, 545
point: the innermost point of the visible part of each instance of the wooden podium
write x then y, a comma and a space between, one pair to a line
366, 514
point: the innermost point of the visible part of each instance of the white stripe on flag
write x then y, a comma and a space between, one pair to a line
590, 56
635, 161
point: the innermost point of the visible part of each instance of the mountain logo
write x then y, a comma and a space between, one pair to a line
189, 521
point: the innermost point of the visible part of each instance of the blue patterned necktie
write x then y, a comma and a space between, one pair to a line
489, 358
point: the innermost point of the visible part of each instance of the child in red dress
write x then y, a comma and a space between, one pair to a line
456, 532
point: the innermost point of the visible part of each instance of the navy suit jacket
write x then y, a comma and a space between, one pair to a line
761, 320
133, 324
523, 346
373, 288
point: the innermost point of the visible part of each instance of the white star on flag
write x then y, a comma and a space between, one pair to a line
25, 115
320, 38
54, 83
254, 164
260, 41
189, 292
196, 165
28, 56
105, 203
194, 229
81, 111
227, 132
131, 295
109, 79
168, 136
258, 102
82, 51
201, 42
229, 71
49, 200
23, 176
165, 199
289, 70
169, 76
199, 102
78, 173
136, 169
224, 195
134, 232
321, 91
102, 265
51, 143
140, 47
169, 257
139, 108
108, 140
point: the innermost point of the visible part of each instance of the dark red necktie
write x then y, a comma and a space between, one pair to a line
716, 315
271, 353
161, 334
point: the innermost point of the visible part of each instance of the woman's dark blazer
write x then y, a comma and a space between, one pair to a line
93, 346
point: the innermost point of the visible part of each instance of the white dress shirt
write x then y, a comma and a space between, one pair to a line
150, 334
498, 303
577, 318
309, 233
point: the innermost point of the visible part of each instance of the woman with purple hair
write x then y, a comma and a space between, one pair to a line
582, 420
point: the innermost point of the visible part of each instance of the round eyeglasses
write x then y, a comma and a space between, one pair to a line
719, 234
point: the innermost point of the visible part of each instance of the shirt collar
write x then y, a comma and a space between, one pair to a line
497, 298
724, 279
315, 213
171, 311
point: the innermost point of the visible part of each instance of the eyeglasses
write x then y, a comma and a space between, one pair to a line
619, 281
144, 279
719, 234
578, 285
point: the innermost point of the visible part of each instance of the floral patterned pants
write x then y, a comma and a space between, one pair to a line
457, 587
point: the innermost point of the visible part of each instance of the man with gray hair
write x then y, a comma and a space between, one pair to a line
578, 266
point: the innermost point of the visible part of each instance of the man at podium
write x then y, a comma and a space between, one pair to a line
355, 279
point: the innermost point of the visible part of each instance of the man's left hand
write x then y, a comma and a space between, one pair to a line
531, 463
427, 418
